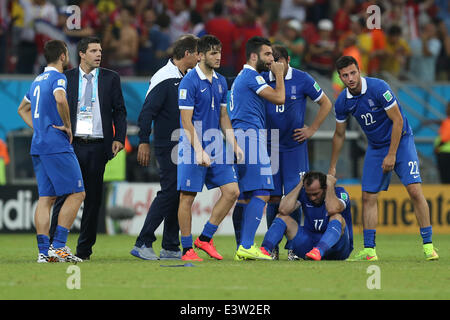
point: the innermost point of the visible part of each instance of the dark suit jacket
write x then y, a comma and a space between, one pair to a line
112, 106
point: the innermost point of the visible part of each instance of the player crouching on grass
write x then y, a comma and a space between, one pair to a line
45, 109
327, 231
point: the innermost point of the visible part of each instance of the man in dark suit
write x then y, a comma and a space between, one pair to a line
96, 105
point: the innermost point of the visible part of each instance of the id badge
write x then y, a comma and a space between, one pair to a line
85, 122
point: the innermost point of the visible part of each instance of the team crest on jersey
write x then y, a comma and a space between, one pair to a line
183, 94
344, 196
62, 83
293, 92
260, 80
387, 96
220, 88
316, 86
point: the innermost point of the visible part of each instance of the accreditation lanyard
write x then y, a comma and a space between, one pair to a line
85, 123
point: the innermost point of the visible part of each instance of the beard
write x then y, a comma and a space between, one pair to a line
261, 66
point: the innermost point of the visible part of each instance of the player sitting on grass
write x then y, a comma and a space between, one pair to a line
327, 232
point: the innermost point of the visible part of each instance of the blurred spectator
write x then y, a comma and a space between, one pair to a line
397, 52
443, 60
323, 49
179, 17
246, 28
123, 41
196, 25
294, 9
318, 10
442, 148
221, 27
29, 43
443, 13
342, 19
425, 51
154, 42
290, 38
4, 21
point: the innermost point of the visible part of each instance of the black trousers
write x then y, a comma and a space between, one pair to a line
92, 159
164, 207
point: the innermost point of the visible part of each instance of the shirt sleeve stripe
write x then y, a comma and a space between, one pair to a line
345, 205
261, 88
340, 121
186, 107
390, 106
319, 97
59, 88
26, 99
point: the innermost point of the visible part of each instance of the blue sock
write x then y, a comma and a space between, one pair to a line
330, 237
252, 218
274, 234
60, 238
426, 234
208, 231
369, 238
238, 221
43, 243
186, 243
271, 212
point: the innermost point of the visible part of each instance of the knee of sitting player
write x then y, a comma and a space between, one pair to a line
340, 218
82, 195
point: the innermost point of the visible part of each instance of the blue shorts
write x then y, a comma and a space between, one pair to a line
57, 174
255, 173
292, 164
192, 177
406, 166
305, 240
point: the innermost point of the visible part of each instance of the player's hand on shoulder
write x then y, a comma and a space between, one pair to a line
143, 156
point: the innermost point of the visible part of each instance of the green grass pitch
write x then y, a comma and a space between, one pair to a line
114, 274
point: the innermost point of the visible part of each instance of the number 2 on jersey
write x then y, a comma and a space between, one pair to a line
37, 94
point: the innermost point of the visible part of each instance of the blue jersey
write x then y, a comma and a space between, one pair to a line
316, 217
206, 99
44, 113
291, 115
247, 108
369, 109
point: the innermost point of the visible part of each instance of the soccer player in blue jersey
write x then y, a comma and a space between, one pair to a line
288, 120
327, 232
248, 118
203, 110
45, 109
390, 148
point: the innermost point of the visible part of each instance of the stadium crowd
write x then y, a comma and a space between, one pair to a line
137, 34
